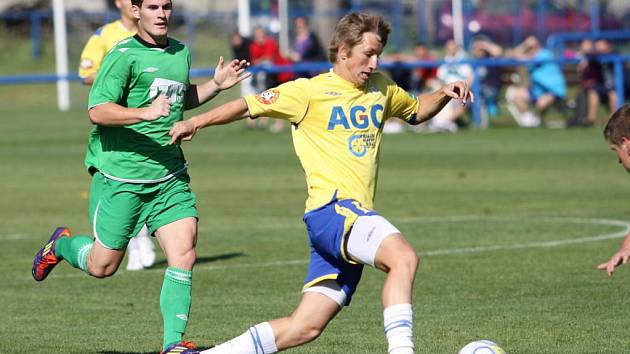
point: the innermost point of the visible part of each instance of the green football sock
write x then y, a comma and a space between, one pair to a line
175, 300
74, 250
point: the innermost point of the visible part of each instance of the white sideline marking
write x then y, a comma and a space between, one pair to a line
448, 251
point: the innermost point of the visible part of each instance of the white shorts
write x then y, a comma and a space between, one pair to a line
366, 236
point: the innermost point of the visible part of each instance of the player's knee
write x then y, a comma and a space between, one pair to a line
309, 332
405, 260
102, 272
185, 260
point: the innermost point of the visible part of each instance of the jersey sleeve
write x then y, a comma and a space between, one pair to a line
111, 81
288, 101
92, 55
403, 104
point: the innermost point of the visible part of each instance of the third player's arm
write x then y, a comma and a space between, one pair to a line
225, 76
227, 113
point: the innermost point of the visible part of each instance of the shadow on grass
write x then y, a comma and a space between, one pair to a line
202, 260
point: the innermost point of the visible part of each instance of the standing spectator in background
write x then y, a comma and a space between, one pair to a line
264, 51
240, 46
484, 48
547, 85
306, 45
240, 50
140, 250
424, 79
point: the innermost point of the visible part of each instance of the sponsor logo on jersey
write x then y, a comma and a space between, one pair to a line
172, 89
360, 143
360, 117
150, 69
332, 93
268, 97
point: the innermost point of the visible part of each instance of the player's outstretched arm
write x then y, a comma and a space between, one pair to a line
225, 76
227, 113
112, 114
617, 259
432, 103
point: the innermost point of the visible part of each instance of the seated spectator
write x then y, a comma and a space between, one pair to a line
306, 46
483, 48
452, 70
547, 85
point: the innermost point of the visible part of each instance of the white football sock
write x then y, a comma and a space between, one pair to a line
256, 340
398, 328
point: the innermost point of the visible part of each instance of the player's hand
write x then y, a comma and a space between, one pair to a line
182, 131
459, 90
619, 258
160, 107
226, 76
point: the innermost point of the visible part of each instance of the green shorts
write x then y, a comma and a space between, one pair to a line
118, 210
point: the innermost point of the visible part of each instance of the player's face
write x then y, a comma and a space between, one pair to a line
125, 8
360, 62
153, 18
623, 154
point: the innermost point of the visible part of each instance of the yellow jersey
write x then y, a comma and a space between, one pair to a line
336, 130
99, 44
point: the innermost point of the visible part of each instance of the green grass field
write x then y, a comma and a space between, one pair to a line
510, 224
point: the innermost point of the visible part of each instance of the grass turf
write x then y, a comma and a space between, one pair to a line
481, 207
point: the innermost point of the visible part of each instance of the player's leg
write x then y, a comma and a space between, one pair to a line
173, 220
376, 242
177, 239
99, 260
318, 306
147, 248
140, 251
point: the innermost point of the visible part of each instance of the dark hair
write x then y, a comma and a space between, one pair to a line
349, 31
618, 126
137, 2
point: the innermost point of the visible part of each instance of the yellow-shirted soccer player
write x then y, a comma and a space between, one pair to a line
337, 120
140, 251
104, 39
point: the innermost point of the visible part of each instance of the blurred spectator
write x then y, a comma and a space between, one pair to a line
597, 81
240, 46
423, 79
546, 87
240, 50
452, 70
402, 77
484, 48
306, 45
264, 51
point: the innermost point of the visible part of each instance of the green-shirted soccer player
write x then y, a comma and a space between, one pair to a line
337, 120
140, 91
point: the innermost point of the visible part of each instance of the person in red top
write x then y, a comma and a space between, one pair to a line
425, 78
264, 51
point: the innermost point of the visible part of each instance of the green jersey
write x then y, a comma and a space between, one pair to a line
132, 75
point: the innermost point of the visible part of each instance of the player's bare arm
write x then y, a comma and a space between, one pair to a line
617, 259
227, 113
112, 114
432, 103
225, 76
